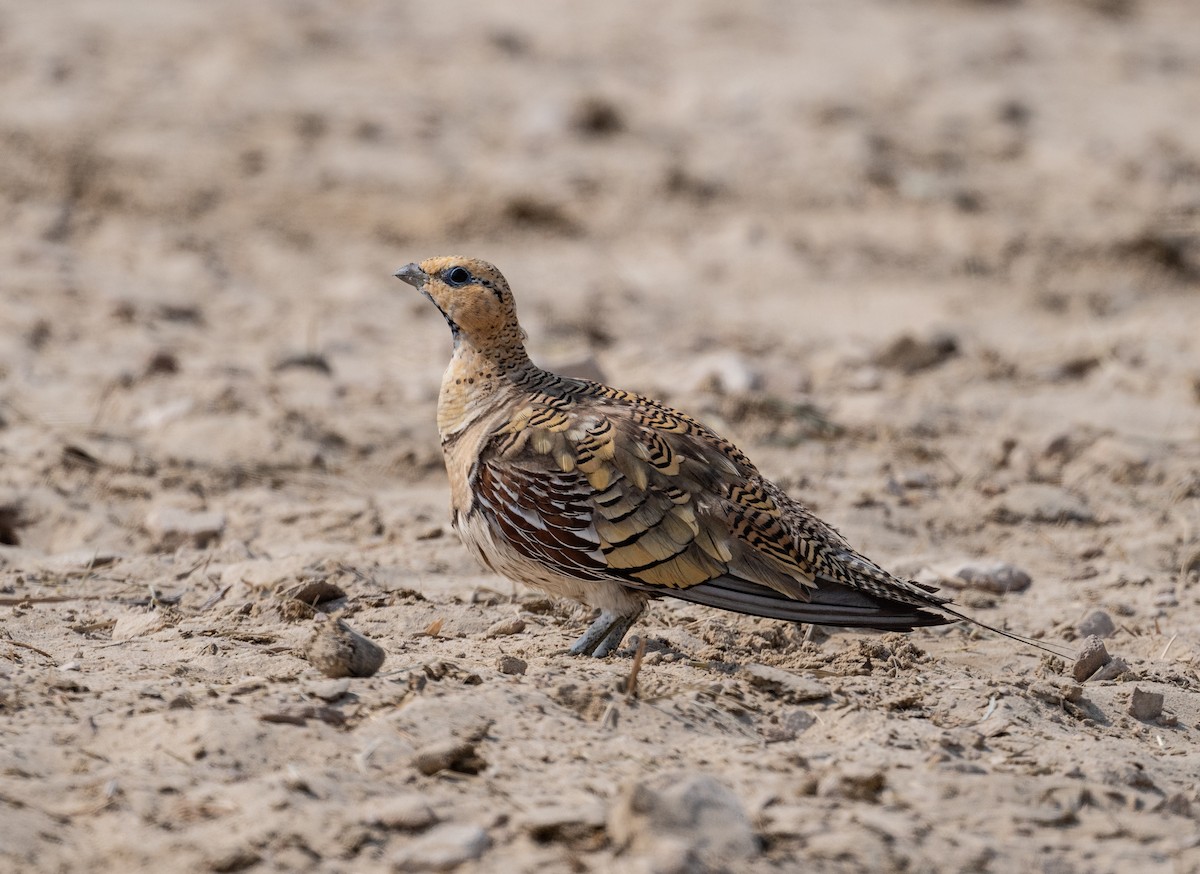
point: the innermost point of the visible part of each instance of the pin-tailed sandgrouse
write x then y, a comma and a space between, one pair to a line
610, 498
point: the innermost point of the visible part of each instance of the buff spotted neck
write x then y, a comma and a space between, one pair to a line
489, 345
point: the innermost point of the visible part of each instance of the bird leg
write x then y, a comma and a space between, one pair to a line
605, 634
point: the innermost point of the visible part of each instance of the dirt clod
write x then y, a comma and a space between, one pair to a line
1092, 656
1145, 705
508, 664
337, 650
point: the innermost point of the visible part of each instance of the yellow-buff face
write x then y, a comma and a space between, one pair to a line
472, 295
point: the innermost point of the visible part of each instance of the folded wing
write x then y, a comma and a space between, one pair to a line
649, 499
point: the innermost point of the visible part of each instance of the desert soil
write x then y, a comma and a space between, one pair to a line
933, 265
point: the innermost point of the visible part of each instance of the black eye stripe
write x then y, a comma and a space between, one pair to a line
488, 284
458, 276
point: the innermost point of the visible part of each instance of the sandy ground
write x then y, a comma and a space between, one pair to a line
934, 265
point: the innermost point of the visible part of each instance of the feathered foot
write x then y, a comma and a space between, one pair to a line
605, 634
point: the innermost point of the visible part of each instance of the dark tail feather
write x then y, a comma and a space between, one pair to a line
831, 605
1062, 652
838, 605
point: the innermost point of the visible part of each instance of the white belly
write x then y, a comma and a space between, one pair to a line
492, 550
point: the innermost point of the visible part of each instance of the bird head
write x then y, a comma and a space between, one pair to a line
472, 295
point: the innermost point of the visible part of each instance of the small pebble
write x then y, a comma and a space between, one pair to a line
408, 813
1111, 671
1096, 623
1091, 658
507, 664
1145, 705
313, 592
999, 577
458, 756
505, 627
337, 650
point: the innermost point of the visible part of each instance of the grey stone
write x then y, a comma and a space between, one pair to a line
1096, 623
999, 577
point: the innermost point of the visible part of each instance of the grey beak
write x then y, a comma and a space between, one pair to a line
412, 274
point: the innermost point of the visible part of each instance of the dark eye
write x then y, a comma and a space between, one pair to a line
457, 276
